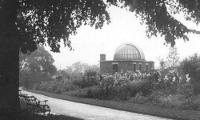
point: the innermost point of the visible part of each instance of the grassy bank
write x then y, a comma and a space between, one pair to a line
131, 107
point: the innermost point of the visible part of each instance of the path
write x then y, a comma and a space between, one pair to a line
90, 112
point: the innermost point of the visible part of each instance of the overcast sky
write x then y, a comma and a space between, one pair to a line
89, 43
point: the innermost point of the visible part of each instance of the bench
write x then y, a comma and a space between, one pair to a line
35, 105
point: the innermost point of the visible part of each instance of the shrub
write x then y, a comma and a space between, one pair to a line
155, 96
84, 82
108, 90
56, 86
89, 79
95, 93
185, 89
121, 93
124, 86
191, 66
143, 86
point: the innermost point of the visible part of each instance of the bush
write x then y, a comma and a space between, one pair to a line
96, 92
143, 86
155, 96
185, 89
122, 86
121, 93
108, 89
191, 66
89, 79
84, 82
57, 86
61, 85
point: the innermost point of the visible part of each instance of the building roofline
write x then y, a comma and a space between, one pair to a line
136, 47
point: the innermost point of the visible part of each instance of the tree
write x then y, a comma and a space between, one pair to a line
191, 66
26, 23
36, 67
162, 63
159, 19
79, 67
172, 58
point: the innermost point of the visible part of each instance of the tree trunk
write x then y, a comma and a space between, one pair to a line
9, 61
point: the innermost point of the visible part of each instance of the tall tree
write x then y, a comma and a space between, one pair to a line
36, 67
26, 23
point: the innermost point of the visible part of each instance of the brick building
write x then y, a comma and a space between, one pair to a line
127, 57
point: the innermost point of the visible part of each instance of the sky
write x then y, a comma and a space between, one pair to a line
89, 42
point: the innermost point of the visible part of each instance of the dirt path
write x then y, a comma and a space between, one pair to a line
90, 112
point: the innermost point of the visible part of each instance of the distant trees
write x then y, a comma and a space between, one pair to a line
78, 75
36, 67
171, 61
78, 69
172, 58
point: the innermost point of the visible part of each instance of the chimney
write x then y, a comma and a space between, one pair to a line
102, 57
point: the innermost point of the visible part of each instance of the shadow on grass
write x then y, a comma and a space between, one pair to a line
30, 116
61, 117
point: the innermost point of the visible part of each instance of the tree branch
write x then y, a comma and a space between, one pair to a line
194, 31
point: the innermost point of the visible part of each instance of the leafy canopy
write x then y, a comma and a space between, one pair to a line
36, 67
158, 16
50, 21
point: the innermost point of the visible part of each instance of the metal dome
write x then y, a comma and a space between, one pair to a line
128, 52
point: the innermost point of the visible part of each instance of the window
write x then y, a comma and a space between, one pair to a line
115, 67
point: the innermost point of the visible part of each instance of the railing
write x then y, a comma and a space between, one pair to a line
34, 104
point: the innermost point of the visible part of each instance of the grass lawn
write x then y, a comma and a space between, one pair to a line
30, 116
131, 107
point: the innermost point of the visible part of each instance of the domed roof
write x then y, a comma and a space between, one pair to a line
128, 52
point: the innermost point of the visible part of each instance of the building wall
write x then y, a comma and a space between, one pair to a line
102, 57
105, 67
124, 66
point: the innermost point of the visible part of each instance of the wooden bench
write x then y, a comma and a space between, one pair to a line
35, 105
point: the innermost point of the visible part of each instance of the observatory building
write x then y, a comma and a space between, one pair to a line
127, 57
